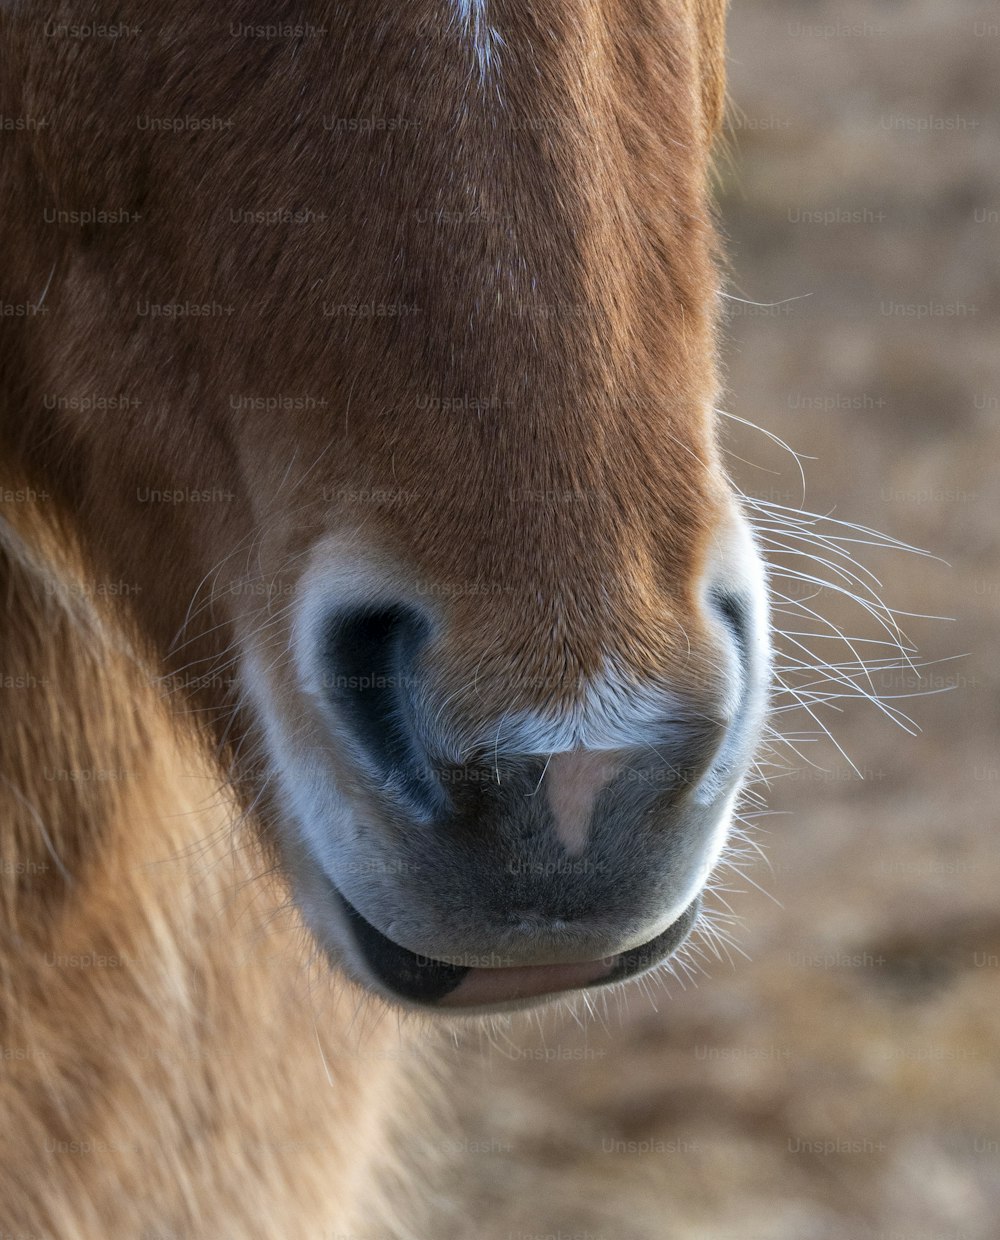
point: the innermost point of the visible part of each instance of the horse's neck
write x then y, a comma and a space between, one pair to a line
164, 1045
71, 740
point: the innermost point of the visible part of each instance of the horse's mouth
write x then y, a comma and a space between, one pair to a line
496, 986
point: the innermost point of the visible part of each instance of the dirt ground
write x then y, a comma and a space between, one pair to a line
839, 1078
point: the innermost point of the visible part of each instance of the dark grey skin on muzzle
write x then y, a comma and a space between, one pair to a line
449, 867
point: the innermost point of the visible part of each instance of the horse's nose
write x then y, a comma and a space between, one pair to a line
399, 721
506, 812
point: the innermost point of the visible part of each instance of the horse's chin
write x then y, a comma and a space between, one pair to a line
477, 982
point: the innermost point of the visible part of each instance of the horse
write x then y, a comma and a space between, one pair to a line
382, 633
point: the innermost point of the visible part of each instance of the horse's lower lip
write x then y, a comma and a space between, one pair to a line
436, 983
489, 987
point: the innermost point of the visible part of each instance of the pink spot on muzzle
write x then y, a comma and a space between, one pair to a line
573, 781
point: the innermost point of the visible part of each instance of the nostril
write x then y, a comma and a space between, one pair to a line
369, 659
735, 612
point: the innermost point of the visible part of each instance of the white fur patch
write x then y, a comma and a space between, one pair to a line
485, 39
613, 711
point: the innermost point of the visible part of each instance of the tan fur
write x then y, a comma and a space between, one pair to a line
172, 1066
190, 1045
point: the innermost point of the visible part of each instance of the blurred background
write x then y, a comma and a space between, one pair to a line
837, 1077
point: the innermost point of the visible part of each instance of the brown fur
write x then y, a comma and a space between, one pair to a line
578, 304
